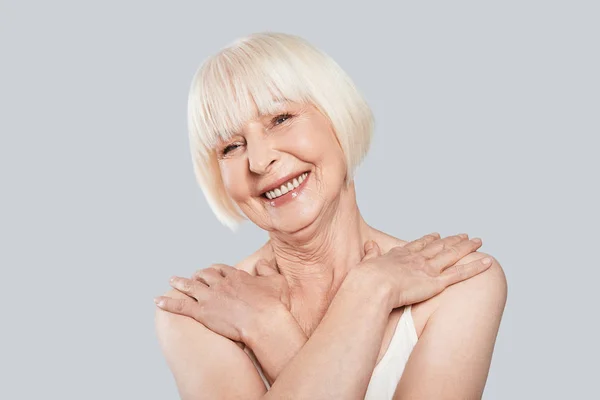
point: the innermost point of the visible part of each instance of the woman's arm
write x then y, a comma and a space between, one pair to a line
275, 339
452, 357
472, 308
336, 362
338, 359
202, 362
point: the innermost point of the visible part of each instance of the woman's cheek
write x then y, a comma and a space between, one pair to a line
232, 180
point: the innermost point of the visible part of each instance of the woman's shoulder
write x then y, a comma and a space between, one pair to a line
492, 278
385, 241
248, 264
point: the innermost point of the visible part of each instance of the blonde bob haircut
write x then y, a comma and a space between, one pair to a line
257, 73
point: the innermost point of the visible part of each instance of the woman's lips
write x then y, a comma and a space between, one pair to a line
289, 196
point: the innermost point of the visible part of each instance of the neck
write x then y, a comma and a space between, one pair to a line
316, 259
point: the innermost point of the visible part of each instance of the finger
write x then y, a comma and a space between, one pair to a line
452, 254
433, 248
419, 244
189, 287
197, 276
372, 250
264, 268
208, 276
187, 307
223, 269
461, 272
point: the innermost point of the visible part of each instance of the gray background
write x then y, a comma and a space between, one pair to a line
487, 123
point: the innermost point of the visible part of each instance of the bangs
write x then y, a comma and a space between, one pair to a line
240, 84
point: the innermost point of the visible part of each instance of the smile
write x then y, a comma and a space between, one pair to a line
286, 187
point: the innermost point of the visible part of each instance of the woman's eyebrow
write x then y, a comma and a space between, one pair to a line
277, 107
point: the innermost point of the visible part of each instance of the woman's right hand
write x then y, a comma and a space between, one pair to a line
423, 268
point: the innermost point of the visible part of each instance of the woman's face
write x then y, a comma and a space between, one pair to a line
285, 170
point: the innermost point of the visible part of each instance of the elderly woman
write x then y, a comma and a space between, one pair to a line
329, 307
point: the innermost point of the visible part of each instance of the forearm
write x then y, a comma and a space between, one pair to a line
275, 340
338, 359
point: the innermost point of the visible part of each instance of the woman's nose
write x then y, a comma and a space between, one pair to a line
260, 157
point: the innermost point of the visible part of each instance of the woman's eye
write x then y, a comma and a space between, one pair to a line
230, 148
281, 118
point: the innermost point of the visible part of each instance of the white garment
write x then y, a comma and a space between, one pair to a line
388, 370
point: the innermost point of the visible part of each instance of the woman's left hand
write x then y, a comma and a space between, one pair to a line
229, 301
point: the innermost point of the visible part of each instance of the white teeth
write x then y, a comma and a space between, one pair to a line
286, 187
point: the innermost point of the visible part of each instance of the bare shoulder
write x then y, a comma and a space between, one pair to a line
491, 283
248, 264
385, 241
203, 362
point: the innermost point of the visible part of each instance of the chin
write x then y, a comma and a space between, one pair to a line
295, 218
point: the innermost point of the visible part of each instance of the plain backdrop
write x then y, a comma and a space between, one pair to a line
487, 123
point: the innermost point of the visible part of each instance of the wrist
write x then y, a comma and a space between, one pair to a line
365, 282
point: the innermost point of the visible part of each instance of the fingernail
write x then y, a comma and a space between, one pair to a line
157, 301
172, 279
476, 240
486, 261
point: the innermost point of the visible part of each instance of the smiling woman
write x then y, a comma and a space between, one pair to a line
329, 307
270, 74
